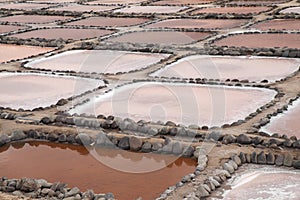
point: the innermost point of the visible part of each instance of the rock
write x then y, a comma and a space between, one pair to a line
135, 143
188, 151
156, 146
233, 164
177, 148
152, 131
254, 157
101, 139
243, 157
74, 191
43, 183
228, 167
296, 144
215, 182
279, 160
62, 102
83, 139
215, 135
168, 148
4, 139
270, 159
248, 158
243, 139
147, 146
296, 164
237, 160
46, 120
202, 159
52, 137
71, 139
88, 195
124, 143
62, 138
261, 158
288, 160
257, 140
228, 139
29, 185
201, 192
17, 135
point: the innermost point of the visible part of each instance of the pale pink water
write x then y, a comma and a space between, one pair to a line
109, 21
33, 18
197, 23
261, 40
186, 104
151, 9
291, 10
224, 67
114, 2
279, 24
30, 91
237, 10
286, 123
11, 52
9, 28
256, 2
24, 6
181, 2
64, 33
100, 61
161, 37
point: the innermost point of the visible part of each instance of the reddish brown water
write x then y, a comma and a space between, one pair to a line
33, 18
24, 6
115, 2
291, 10
30, 91
161, 37
88, 61
261, 40
186, 104
286, 123
12, 52
237, 10
75, 166
256, 2
268, 183
83, 8
9, 28
181, 2
64, 33
224, 67
109, 21
279, 24
197, 23
151, 9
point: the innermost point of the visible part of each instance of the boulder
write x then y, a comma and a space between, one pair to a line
201, 192
254, 157
29, 185
227, 139
46, 120
74, 191
83, 139
261, 158
62, 138
124, 143
228, 167
52, 137
270, 159
88, 195
177, 148
188, 151
243, 157
4, 139
135, 143
17, 135
279, 160
237, 160
296, 164
156, 146
243, 139
233, 164
101, 139
146, 147
257, 140
288, 160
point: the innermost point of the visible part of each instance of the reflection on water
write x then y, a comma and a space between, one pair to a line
75, 166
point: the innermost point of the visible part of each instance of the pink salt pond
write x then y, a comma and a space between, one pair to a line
10, 28
100, 61
108, 21
279, 24
261, 40
35, 19
83, 8
230, 67
30, 91
295, 10
126, 174
151, 9
256, 2
198, 23
235, 10
23, 6
286, 123
64, 33
13, 52
115, 2
266, 182
180, 103
161, 37
181, 2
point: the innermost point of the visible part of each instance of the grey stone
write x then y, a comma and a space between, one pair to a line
243, 139
147, 146
83, 139
74, 191
4, 139
270, 159
228, 167
215, 182
296, 164
168, 148
261, 158
29, 185
288, 160
52, 137
124, 143
248, 158
88, 195
188, 151
177, 148
254, 157
228, 139
17, 135
156, 146
237, 160
257, 140
201, 192
279, 160
243, 157
135, 143
101, 139
233, 164
62, 138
